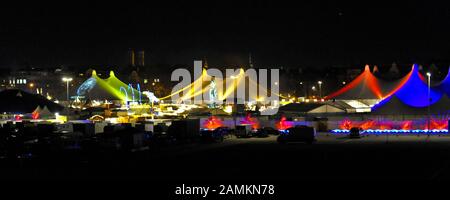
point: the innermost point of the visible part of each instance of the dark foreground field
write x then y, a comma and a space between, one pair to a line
254, 159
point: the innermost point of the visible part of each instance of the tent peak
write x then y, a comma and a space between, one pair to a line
415, 67
375, 69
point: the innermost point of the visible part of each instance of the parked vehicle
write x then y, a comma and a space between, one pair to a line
261, 133
298, 134
216, 135
355, 132
224, 131
184, 130
271, 131
244, 131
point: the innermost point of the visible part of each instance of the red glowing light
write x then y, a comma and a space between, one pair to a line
438, 124
18, 117
432, 124
252, 121
35, 115
367, 79
212, 123
384, 125
283, 124
401, 84
367, 125
345, 124
406, 125
422, 78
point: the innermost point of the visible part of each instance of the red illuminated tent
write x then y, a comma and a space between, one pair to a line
367, 86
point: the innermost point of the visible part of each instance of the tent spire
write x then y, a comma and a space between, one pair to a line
375, 69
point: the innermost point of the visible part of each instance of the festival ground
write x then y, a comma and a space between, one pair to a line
333, 157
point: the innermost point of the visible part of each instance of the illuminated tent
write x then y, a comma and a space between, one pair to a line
111, 88
206, 112
91, 90
297, 109
444, 85
394, 106
224, 87
21, 102
202, 85
413, 90
365, 86
43, 112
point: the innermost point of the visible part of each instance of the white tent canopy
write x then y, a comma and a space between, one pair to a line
43, 112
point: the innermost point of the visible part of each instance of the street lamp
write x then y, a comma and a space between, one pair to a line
313, 88
67, 80
429, 99
304, 88
320, 89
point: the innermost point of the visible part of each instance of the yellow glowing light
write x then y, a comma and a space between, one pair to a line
67, 79
228, 109
113, 85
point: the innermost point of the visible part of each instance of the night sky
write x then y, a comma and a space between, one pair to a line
307, 34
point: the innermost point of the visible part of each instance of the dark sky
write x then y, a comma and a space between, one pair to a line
308, 33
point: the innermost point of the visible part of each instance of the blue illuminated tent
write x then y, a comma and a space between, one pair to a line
394, 106
414, 90
444, 85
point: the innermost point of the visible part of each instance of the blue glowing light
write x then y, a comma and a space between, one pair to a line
86, 87
394, 131
140, 93
415, 91
132, 90
122, 89
444, 86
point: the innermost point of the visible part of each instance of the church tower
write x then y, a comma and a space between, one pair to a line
250, 62
205, 63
